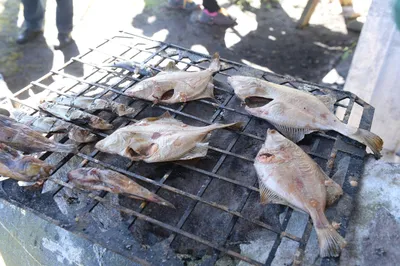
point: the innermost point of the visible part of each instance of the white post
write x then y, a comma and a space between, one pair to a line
374, 74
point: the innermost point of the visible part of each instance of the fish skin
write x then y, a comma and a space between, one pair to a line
22, 168
23, 138
296, 113
111, 181
93, 104
172, 86
287, 175
159, 139
72, 114
54, 125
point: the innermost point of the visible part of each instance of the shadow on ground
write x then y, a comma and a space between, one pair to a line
276, 43
21, 64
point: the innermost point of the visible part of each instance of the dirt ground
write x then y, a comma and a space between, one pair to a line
265, 36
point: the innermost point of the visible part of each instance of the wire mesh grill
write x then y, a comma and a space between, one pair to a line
217, 214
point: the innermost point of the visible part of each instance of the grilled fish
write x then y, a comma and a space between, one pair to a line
287, 175
25, 139
55, 125
296, 113
159, 139
174, 85
22, 168
75, 115
96, 179
133, 67
92, 104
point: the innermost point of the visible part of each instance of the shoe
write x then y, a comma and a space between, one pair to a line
183, 4
28, 35
4, 112
216, 18
64, 39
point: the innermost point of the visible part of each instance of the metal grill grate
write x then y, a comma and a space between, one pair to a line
218, 212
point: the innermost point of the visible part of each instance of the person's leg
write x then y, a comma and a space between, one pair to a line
64, 22
34, 18
214, 14
33, 14
64, 16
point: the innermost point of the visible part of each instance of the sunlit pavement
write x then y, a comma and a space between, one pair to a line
264, 37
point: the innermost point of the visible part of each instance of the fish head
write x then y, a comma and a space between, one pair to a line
276, 148
35, 167
81, 135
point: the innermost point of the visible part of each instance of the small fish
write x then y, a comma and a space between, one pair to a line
175, 86
288, 176
26, 169
54, 125
23, 138
96, 179
296, 113
159, 139
93, 104
133, 67
75, 115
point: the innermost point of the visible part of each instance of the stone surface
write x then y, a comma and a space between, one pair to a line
373, 228
27, 239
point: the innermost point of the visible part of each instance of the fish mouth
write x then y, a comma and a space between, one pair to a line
167, 95
142, 152
256, 101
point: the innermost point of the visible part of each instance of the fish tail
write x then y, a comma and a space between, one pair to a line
67, 148
233, 126
215, 63
374, 142
330, 242
157, 199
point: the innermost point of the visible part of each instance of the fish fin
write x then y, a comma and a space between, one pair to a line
330, 242
3, 178
267, 196
333, 191
200, 150
294, 134
165, 115
215, 64
328, 100
171, 67
156, 118
25, 184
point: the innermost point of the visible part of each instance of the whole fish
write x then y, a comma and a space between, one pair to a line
174, 85
96, 179
133, 67
75, 115
54, 125
93, 104
159, 139
25, 139
296, 113
287, 175
22, 168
